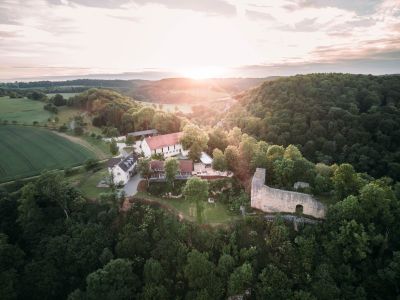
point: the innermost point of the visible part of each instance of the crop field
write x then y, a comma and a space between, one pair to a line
27, 151
22, 110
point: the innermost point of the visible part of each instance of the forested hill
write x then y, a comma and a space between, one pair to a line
331, 117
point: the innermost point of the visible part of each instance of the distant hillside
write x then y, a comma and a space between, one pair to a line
332, 117
171, 90
183, 90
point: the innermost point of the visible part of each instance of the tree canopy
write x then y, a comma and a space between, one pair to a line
331, 117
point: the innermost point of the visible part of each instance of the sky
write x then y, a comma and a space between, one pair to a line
152, 39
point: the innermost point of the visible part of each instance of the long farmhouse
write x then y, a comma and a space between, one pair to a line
167, 144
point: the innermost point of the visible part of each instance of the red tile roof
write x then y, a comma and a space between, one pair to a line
159, 141
157, 165
185, 165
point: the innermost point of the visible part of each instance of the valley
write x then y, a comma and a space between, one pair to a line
86, 148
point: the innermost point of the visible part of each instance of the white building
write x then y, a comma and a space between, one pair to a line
122, 169
167, 144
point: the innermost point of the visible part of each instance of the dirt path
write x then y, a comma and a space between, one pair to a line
100, 154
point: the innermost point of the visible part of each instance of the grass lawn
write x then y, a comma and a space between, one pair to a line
213, 213
23, 110
98, 143
66, 114
87, 182
27, 151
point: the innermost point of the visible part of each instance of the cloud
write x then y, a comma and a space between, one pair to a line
378, 64
375, 49
361, 7
207, 6
8, 34
91, 3
258, 15
306, 25
124, 35
6, 15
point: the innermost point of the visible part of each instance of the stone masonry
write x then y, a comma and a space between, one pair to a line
275, 200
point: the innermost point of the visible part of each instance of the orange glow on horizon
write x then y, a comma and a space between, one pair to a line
203, 72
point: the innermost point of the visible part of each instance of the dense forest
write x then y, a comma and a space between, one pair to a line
56, 245
330, 117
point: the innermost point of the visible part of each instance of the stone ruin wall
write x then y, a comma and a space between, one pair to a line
275, 200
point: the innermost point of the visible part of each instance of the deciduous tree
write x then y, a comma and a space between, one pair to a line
171, 167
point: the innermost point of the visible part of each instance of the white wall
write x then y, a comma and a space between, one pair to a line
172, 151
146, 149
120, 175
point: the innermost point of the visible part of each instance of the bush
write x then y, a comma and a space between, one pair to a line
78, 130
63, 128
161, 188
92, 164
51, 108
58, 100
130, 140
71, 171
236, 201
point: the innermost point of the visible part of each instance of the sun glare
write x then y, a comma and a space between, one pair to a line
203, 72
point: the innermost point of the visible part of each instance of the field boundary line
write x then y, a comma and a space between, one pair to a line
99, 153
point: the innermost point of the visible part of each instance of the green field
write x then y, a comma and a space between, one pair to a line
87, 182
27, 151
22, 110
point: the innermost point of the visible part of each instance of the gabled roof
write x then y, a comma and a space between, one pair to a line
128, 162
156, 165
159, 141
113, 161
143, 132
185, 165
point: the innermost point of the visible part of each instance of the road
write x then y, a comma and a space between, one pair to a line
130, 188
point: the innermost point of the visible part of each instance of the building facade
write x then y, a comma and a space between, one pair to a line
158, 172
168, 145
122, 169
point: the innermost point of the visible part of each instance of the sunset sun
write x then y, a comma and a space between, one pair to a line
203, 72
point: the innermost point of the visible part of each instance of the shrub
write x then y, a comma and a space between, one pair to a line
92, 164
63, 128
